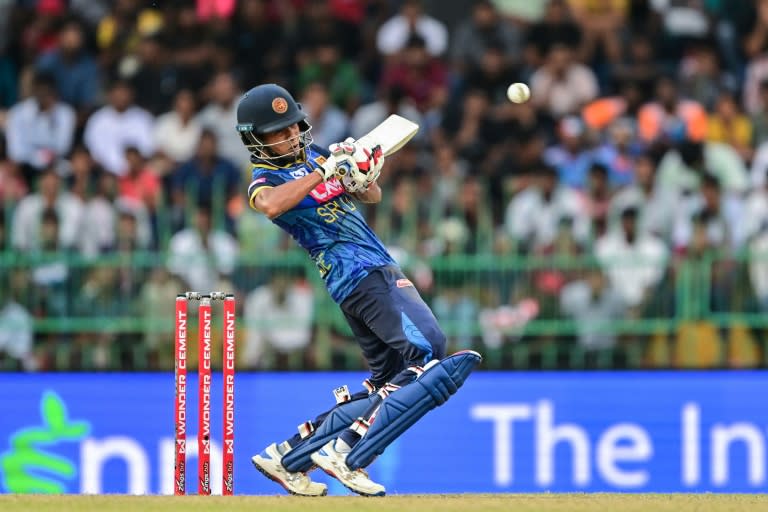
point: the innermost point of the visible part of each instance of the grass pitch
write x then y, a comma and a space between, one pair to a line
416, 503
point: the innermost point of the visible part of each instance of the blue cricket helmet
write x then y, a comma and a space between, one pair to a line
269, 108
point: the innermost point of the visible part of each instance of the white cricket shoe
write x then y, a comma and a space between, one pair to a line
334, 463
268, 462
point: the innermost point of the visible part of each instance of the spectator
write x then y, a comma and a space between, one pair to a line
595, 199
139, 183
253, 34
50, 268
156, 78
423, 78
99, 228
27, 217
119, 32
669, 119
40, 129
220, 116
486, 27
12, 184
533, 215
730, 126
117, 125
16, 334
338, 75
656, 205
685, 24
74, 68
602, 23
177, 132
562, 85
721, 216
681, 169
278, 322
701, 76
759, 118
555, 28
618, 151
639, 64
634, 262
595, 306
207, 178
392, 100
329, 123
394, 34
201, 255
570, 156
493, 73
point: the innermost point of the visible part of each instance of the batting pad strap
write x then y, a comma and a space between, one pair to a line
342, 394
341, 417
360, 426
306, 429
368, 385
410, 403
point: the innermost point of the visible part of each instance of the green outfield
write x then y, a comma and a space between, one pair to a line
423, 503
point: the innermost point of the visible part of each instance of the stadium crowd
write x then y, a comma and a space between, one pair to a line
645, 143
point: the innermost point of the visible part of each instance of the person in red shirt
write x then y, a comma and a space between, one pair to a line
139, 181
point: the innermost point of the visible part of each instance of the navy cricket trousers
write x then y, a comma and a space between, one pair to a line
392, 324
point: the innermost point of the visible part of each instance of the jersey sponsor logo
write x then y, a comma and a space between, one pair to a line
402, 283
327, 191
299, 173
320, 160
279, 105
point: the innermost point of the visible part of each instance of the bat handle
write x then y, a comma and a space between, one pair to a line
342, 168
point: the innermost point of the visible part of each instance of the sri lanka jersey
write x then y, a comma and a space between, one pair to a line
327, 223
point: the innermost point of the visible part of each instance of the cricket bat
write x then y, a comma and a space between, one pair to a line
392, 134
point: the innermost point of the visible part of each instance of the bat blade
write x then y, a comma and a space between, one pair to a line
391, 134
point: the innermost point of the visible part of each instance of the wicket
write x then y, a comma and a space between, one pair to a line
204, 392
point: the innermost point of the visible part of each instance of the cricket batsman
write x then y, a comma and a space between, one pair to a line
397, 332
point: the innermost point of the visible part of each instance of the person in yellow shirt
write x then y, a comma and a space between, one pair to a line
729, 124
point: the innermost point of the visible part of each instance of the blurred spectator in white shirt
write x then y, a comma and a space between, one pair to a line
562, 85
721, 214
278, 318
595, 306
25, 231
117, 125
395, 32
656, 205
40, 129
16, 333
220, 116
101, 213
329, 123
682, 168
533, 215
633, 261
177, 132
201, 255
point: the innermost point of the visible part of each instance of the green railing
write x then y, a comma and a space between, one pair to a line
116, 312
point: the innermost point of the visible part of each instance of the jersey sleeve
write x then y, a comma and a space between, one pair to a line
261, 178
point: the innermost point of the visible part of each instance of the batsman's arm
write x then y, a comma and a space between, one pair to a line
274, 201
371, 195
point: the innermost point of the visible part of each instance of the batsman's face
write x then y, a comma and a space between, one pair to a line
284, 142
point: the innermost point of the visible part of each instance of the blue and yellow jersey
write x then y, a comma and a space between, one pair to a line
327, 223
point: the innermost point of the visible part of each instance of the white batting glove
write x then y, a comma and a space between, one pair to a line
356, 165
